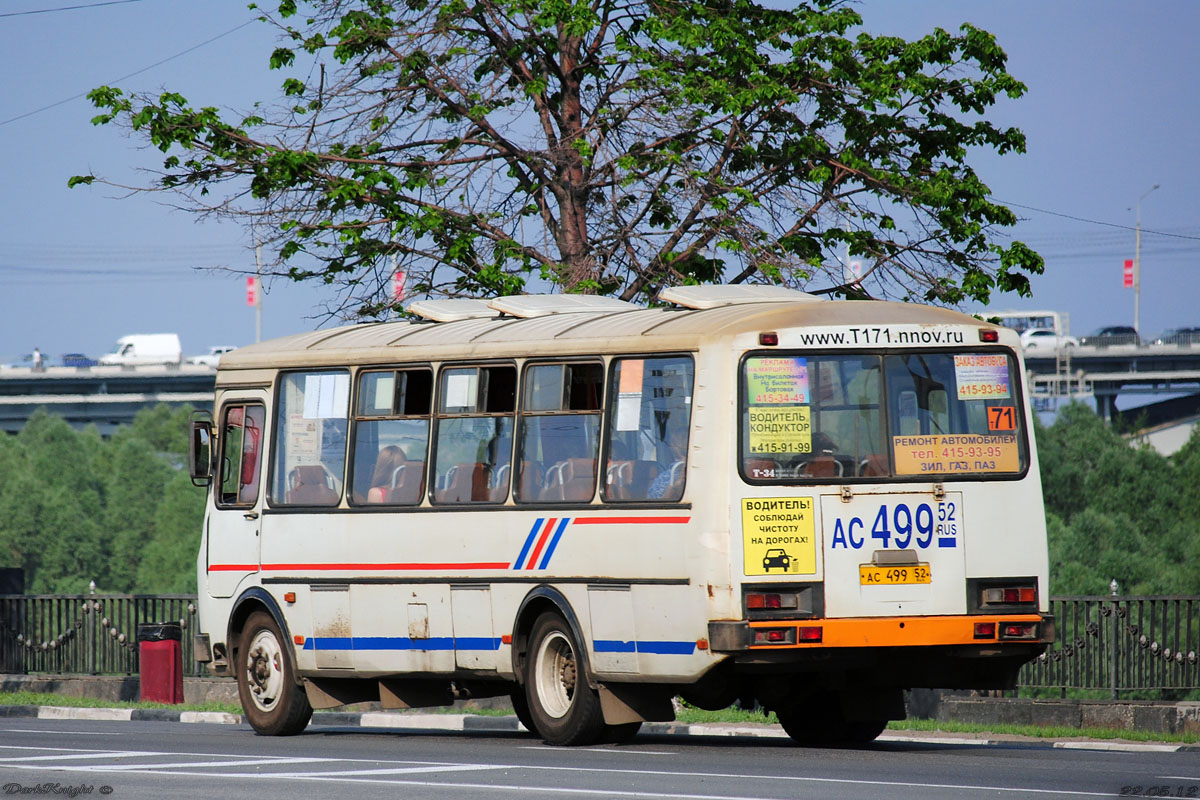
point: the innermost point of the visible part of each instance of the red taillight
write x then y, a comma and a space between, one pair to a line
770, 600
769, 339
1009, 595
985, 630
1018, 630
774, 635
809, 633
989, 335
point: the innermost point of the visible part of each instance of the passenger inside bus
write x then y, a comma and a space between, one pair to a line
388, 467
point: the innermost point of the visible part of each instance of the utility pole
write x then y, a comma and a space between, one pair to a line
258, 304
1137, 263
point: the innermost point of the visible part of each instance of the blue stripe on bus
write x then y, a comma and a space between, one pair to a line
402, 643
653, 648
562, 526
528, 543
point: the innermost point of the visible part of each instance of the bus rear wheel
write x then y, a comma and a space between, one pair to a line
275, 704
564, 709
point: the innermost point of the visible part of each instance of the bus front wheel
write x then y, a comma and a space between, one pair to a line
564, 709
275, 704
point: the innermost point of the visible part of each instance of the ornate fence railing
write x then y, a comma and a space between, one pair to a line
87, 634
1103, 642
1121, 644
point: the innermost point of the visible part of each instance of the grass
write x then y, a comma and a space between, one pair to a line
45, 699
690, 716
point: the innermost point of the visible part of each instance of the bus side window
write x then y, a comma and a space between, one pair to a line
391, 436
310, 438
560, 433
474, 441
649, 417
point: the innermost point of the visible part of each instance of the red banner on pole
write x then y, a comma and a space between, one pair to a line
251, 291
398, 278
1128, 273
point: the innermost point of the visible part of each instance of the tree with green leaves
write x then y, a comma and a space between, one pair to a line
606, 146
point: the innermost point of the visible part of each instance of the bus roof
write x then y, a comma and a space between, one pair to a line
602, 330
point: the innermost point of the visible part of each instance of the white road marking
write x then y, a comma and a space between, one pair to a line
354, 774
255, 762
106, 754
598, 750
59, 733
1123, 747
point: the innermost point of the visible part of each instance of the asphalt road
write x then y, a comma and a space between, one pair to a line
126, 760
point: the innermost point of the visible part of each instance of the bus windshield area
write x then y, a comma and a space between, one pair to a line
839, 417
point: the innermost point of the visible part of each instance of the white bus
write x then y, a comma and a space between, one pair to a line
748, 495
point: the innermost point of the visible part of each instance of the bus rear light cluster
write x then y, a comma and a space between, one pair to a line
1018, 630
770, 600
786, 634
985, 630
1009, 596
774, 636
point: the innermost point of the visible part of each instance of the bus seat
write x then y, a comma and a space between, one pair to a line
465, 483
529, 480
497, 484
824, 467
407, 484
310, 487
618, 478
571, 481
873, 466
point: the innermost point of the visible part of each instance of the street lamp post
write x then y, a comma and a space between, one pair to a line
1137, 262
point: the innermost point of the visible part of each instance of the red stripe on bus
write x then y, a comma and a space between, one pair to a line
632, 520
326, 567
541, 542
233, 568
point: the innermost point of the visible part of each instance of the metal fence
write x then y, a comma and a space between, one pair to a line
1121, 644
87, 634
1118, 644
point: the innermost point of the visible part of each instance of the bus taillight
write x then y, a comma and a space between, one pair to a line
1009, 596
1018, 630
774, 635
770, 600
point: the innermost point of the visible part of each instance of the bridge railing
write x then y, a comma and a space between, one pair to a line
87, 634
1118, 644
1121, 644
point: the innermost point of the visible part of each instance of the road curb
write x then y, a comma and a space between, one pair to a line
423, 721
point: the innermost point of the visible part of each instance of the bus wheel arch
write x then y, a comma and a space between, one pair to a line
541, 600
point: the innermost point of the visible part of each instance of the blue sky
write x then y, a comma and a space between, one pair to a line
1111, 111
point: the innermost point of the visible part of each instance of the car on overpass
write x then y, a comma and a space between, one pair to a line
1112, 336
1046, 339
1180, 336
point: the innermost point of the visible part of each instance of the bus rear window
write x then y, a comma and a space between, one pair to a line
839, 417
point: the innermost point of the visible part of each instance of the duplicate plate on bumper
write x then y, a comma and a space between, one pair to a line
871, 575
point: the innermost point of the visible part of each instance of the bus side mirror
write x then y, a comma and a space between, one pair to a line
200, 452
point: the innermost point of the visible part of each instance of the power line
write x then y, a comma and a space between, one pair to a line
66, 8
1097, 222
132, 74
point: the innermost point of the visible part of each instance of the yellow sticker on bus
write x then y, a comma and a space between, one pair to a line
963, 452
776, 430
778, 536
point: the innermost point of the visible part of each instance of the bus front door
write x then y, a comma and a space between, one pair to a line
232, 529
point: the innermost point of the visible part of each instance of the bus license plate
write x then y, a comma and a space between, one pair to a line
870, 575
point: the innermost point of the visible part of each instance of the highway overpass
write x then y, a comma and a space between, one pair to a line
110, 396
106, 397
